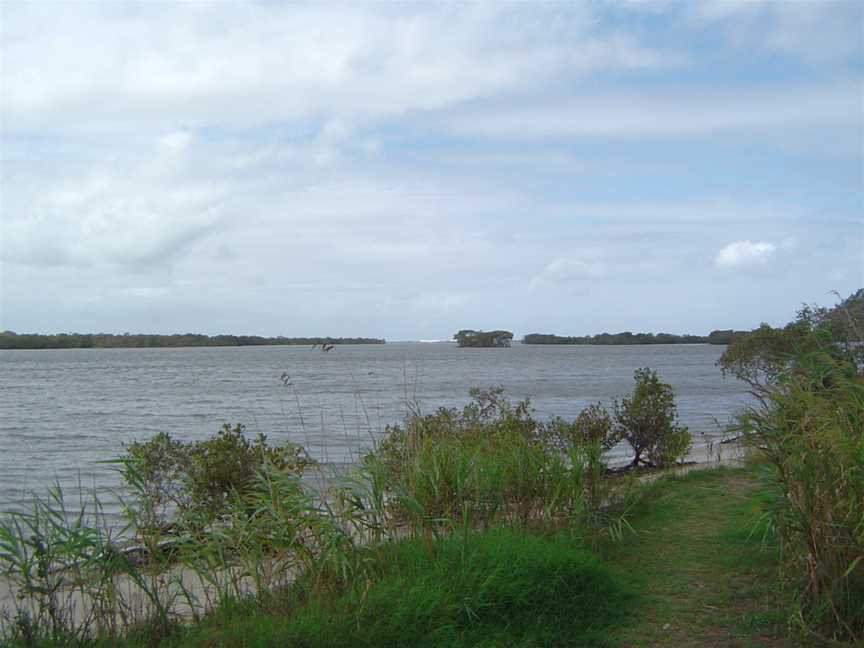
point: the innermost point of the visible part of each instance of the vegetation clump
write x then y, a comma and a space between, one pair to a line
762, 357
196, 479
469, 338
626, 337
593, 425
490, 461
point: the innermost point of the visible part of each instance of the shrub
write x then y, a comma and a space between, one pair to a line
648, 421
174, 477
593, 425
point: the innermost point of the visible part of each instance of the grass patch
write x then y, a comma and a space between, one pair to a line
704, 564
497, 588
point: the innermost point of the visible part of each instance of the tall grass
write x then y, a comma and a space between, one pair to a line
810, 427
490, 463
70, 578
493, 588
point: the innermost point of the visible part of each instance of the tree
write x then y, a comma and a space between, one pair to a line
762, 356
648, 421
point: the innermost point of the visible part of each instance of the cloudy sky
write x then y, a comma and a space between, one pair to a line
407, 170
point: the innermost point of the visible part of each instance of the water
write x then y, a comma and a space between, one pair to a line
63, 411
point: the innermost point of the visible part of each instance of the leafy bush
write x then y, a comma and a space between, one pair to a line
648, 421
593, 425
174, 477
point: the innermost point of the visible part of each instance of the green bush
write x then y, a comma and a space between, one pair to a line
648, 421
593, 425
173, 479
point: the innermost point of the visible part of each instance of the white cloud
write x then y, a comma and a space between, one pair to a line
135, 214
745, 253
98, 66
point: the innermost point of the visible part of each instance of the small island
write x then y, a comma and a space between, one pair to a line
12, 340
469, 338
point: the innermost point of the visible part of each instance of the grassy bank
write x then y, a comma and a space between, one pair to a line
698, 569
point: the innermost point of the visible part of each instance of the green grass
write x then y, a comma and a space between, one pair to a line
497, 588
704, 565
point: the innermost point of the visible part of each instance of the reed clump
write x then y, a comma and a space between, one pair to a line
811, 430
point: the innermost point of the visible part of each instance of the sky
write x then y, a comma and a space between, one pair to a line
406, 170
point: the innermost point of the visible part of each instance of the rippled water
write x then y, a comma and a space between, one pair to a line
62, 411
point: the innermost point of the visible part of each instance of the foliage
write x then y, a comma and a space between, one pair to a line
469, 338
489, 462
171, 476
810, 427
487, 410
593, 425
63, 566
725, 336
648, 421
762, 356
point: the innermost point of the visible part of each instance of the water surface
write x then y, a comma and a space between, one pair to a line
62, 411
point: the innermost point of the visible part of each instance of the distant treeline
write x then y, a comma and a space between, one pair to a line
12, 340
715, 337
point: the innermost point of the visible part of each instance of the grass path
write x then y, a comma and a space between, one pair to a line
703, 576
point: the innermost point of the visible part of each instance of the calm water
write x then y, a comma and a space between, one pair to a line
62, 411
